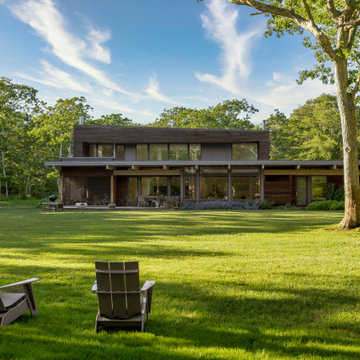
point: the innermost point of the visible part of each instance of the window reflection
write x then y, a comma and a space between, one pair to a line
158, 152
245, 151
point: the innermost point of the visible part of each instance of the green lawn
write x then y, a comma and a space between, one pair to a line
229, 285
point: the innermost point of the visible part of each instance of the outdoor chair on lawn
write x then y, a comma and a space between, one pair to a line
121, 302
13, 304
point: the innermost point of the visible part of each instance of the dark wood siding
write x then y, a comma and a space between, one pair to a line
280, 189
85, 171
338, 180
85, 134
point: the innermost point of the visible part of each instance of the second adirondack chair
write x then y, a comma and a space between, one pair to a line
121, 301
13, 304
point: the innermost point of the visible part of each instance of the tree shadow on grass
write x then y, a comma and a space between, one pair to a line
276, 327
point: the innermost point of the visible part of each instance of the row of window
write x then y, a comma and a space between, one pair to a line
174, 152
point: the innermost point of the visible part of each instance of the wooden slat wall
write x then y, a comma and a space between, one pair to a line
280, 189
85, 171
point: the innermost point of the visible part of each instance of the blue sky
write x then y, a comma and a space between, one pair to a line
139, 57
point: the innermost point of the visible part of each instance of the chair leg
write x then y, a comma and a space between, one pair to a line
31, 299
96, 327
142, 325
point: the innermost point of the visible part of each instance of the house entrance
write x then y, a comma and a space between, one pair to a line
126, 190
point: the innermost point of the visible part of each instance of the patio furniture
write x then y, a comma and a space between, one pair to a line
121, 302
13, 304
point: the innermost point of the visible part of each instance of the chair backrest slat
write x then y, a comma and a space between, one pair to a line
118, 288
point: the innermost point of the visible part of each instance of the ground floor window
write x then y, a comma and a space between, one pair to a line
301, 190
213, 188
154, 186
190, 183
318, 188
245, 187
133, 189
90, 190
175, 186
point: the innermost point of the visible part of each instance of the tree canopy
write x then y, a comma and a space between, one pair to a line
230, 114
311, 132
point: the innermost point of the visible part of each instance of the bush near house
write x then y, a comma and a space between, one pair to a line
326, 205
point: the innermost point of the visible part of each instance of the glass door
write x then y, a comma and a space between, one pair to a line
301, 191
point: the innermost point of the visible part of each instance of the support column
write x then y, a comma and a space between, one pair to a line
113, 190
182, 185
61, 188
168, 188
229, 184
197, 186
308, 189
262, 184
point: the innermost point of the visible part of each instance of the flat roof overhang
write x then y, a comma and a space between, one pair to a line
109, 162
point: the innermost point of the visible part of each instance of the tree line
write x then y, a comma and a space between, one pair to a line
32, 132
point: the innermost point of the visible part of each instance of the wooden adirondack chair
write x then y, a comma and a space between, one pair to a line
14, 304
121, 302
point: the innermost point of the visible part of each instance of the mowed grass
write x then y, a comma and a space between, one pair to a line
229, 284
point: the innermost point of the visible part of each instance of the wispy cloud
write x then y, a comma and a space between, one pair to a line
220, 23
283, 92
55, 77
49, 24
95, 50
154, 92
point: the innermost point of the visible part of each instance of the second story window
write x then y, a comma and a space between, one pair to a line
120, 152
194, 152
163, 152
141, 152
245, 151
101, 150
105, 150
178, 151
158, 152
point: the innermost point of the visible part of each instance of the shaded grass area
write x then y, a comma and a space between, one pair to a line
229, 285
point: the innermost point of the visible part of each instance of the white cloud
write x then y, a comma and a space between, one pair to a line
96, 51
220, 25
283, 92
55, 77
154, 92
49, 24
114, 105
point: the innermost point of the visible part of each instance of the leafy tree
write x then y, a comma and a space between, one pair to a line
111, 119
18, 105
231, 114
333, 29
312, 132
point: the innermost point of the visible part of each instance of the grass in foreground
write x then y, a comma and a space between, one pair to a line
229, 285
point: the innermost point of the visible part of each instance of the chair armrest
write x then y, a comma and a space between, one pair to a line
94, 287
25, 282
148, 284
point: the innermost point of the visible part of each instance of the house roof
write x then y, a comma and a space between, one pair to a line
70, 162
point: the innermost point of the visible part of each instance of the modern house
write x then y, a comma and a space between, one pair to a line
146, 166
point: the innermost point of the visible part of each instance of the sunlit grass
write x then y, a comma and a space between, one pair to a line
229, 285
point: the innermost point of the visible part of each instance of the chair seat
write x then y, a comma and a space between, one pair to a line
11, 299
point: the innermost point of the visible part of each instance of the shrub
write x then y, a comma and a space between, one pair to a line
339, 194
330, 194
333, 194
326, 205
265, 205
337, 205
219, 205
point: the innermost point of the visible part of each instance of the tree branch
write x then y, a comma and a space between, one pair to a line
307, 25
335, 13
308, 11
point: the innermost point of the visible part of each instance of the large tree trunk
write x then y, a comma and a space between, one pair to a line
346, 104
